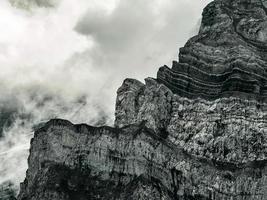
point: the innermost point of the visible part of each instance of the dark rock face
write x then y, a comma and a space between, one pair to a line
7, 192
81, 162
231, 130
198, 131
227, 57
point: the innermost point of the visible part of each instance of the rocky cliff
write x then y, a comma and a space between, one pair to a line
197, 131
7, 192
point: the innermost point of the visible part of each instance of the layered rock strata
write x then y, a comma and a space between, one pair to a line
82, 162
230, 130
227, 57
197, 131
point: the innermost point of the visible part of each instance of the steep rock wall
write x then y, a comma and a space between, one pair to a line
81, 162
197, 131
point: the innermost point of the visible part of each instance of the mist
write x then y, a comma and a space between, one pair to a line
66, 59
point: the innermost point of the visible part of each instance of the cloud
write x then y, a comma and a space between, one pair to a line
139, 36
68, 60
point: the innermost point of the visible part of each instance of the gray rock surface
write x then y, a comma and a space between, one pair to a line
137, 102
7, 191
197, 131
230, 129
227, 57
81, 162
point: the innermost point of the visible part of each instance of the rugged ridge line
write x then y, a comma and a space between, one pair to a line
83, 162
196, 132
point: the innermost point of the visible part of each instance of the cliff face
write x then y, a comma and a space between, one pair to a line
227, 57
197, 131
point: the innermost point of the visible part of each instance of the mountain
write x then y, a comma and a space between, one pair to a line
196, 132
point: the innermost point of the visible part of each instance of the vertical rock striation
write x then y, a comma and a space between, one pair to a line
197, 131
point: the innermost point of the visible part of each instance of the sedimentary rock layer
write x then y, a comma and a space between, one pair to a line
231, 130
227, 57
81, 162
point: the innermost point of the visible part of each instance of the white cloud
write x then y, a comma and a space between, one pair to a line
67, 61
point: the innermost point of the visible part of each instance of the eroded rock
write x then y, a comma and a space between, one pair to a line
197, 131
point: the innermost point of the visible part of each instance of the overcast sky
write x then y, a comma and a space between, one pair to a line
80, 49
90, 46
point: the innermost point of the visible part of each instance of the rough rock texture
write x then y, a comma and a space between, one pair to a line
7, 192
81, 162
227, 57
231, 130
197, 131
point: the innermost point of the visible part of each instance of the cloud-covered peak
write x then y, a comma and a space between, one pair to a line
68, 61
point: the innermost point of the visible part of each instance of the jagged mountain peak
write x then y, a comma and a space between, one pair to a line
198, 131
227, 57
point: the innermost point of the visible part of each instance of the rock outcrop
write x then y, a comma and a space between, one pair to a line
7, 192
227, 57
81, 162
197, 131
